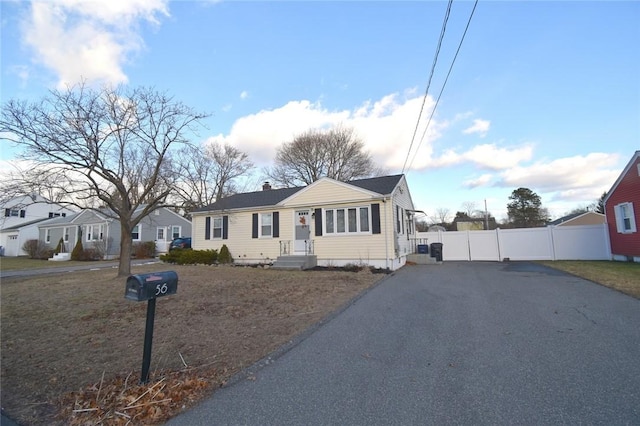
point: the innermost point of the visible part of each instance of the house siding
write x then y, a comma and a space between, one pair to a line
382, 249
627, 191
326, 192
589, 218
403, 243
243, 247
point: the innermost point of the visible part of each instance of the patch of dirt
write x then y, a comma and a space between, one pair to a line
72, 344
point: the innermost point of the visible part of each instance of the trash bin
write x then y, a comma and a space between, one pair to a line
423, 249
436, 251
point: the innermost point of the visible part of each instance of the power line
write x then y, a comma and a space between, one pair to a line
442, 89
433, 67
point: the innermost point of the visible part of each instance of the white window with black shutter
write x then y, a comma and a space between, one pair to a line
216, 227
265, 225
14, 213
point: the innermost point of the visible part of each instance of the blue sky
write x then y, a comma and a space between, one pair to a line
543, 95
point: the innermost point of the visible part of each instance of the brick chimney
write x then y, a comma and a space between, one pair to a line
266, 186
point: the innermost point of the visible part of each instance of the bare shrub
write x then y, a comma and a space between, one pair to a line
100, 247
144, 250
36, 249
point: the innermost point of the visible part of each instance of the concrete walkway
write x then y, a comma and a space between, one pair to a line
459, 343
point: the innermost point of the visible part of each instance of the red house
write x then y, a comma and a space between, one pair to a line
622, 211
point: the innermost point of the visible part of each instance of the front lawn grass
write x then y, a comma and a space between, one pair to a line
23, 262
70, 347
622, 276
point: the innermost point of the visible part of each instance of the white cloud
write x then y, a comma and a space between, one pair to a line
385, 126
483, 180
486, 156
573, 178
492, 157
244, 95
85, 39
479, 126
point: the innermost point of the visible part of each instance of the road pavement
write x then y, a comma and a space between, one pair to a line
61, 268
461, 343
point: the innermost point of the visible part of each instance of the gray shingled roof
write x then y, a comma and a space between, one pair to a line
383, 185
22, 225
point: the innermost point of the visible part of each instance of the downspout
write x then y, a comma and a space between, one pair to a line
386, 239
106, 242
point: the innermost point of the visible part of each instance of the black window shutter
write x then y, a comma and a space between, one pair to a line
207, 228
276, 224
225, 227
7, 212
22, 213
318, 214
375, 218
254, 233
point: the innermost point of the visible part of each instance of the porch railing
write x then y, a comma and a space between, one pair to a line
285, 247
308, 247
415, 242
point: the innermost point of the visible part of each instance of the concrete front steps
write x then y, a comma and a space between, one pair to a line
422, 259
298, 263
60, 257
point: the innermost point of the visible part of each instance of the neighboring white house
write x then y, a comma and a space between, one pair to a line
94, 227
365, 221
19, 219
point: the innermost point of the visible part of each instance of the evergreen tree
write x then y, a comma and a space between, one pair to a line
525, 209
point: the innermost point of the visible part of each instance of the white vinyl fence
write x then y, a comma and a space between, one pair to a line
589, 242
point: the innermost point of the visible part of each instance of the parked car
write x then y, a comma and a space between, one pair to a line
180, 243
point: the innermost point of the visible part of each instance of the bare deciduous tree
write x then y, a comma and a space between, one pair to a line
441, 215
336, 153
108, 148
209, 173
470, 208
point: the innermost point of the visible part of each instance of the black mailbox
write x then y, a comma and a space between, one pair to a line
142, 287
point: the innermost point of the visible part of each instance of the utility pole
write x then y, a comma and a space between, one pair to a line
486, 216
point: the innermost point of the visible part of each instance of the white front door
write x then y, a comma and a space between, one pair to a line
302, 232
161, 240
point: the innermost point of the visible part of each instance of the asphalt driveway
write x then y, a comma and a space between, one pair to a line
456, 343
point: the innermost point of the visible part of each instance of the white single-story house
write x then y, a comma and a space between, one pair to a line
365, 222
19, 221
95, 227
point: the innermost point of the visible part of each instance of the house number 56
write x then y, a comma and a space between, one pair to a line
161, 289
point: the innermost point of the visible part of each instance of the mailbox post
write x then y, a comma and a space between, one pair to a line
148, 287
